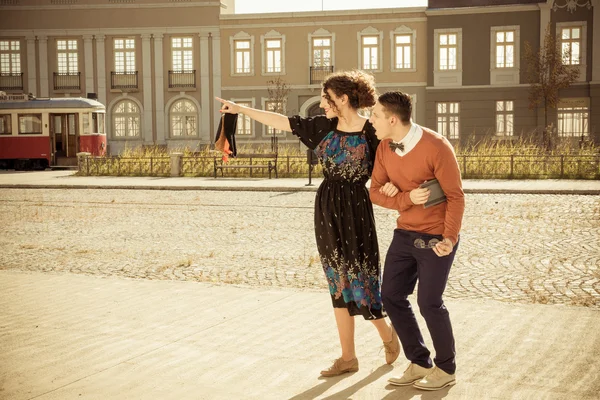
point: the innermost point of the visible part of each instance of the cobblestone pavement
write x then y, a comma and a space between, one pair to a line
521, 248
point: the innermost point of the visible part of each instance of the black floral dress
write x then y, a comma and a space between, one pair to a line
344, 220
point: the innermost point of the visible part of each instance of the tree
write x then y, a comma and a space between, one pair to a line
547, 75
277, 90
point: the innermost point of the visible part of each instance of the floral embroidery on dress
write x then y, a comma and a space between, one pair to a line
345, 156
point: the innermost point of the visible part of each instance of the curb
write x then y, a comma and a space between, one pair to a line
313, 188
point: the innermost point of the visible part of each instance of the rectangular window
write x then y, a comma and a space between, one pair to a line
30, 124
124, 55
504, 118
274, 106
273, 49
86, 123
242, 56
67, 57
505, 49
370, 48
10, 57
182, 54
98, 122
321, 56
448, 120
403, 51
570, 38
573, 121
5, 124
244, 122
448, 48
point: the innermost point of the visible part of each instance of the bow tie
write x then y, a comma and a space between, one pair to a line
394, 146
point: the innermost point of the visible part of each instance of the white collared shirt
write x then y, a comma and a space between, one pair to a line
410, 140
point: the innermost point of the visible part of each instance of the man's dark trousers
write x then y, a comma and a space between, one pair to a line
404, 264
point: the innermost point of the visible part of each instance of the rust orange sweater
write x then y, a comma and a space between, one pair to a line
432, 157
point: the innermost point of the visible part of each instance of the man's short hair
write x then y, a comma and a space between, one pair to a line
397, 103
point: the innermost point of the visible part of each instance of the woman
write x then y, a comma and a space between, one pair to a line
345, 144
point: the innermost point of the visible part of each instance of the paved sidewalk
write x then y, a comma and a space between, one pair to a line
66, 179
65, 336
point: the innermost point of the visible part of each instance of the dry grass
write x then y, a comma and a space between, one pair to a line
521, 157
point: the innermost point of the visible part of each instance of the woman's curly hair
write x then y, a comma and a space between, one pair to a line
359, 86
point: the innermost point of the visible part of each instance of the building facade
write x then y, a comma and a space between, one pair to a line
477, 71
158, 64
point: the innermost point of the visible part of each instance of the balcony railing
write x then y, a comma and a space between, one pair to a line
123, 80
182, 79
67, 81
11, 81
318, 74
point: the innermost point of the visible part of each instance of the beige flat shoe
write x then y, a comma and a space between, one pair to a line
392, 348
341, 367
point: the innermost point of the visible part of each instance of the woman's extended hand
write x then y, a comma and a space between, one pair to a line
228, 107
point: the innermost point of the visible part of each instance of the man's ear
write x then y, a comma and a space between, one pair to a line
393, 120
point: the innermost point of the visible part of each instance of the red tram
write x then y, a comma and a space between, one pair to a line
36, 133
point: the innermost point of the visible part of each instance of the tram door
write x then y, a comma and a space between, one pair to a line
64, 136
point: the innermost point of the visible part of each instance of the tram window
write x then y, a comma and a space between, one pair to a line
30, 124
98, 119
5, 124
72, 127
86, 123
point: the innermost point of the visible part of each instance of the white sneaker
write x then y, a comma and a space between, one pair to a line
412, 374
436, 380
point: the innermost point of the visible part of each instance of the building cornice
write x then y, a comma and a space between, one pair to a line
325, 22
297, 87
482, 10
201, 30
479, 87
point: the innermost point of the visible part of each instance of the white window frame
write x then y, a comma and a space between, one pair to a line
127, 67
266, 129
446, 132
251, 103
321, 34
196, 114
505, 117
447, 77
573, 107
127, 116
583, 44
12, 56
272, 35
184, 50
510, 75
370, 32
404, 30
68, 52
241, 36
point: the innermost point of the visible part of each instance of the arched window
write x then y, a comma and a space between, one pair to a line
314, 110
184, 116
126, 119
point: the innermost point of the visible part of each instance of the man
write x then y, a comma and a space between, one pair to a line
425, 240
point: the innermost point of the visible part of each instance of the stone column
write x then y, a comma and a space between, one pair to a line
159, 95
596, 43
216, 79
205, 98
101, 68
545, 17
88, 54
147, 79
31, 69
43, 63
